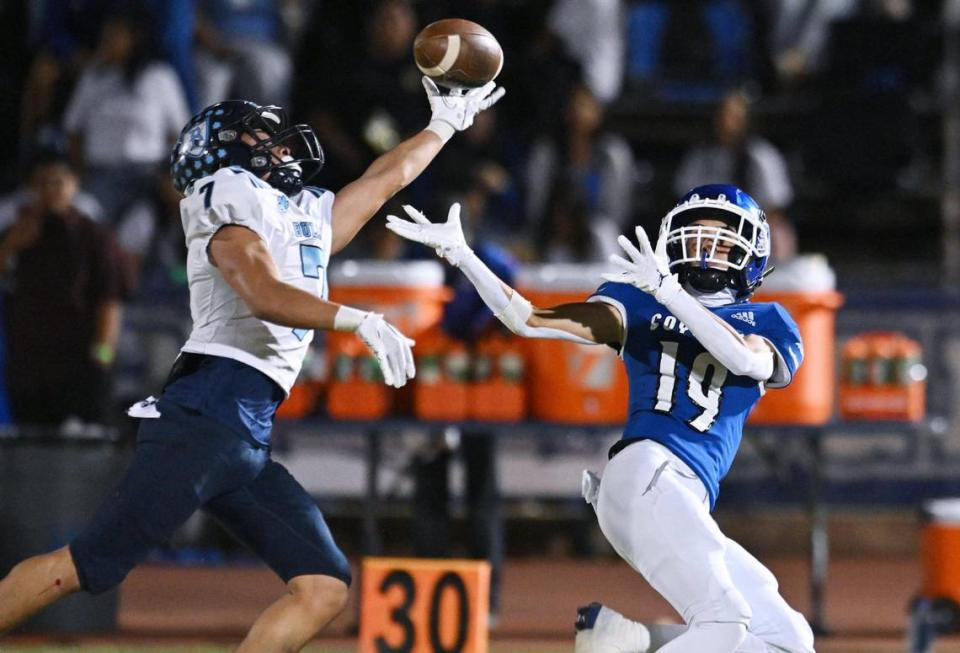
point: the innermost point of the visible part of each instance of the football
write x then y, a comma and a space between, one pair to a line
457, 53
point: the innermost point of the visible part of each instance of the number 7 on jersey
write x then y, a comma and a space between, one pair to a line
311, 261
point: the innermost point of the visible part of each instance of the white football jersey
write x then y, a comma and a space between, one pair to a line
297, 231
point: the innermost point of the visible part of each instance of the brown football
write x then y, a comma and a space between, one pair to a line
457, 53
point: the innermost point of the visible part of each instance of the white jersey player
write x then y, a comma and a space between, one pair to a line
296, 231
259, 243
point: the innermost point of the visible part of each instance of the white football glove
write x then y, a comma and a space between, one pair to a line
391, 348
444, 237
647, 269
455, 111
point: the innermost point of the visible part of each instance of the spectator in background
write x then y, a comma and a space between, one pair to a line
539, 64
592, 34
690, 51
567, 235
477, 170
12, 204
799, 32
150, 238
465, 318
125, 113
242, 51
62, 282
595, 162
175, 24
363, 109
62, 35
735, 156
877, 64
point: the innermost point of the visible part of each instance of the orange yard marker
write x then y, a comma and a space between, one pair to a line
417, 605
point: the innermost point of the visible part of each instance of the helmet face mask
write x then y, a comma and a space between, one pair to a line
717, 237
214, 139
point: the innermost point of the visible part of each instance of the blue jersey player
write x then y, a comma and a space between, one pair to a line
258, 243
698, 356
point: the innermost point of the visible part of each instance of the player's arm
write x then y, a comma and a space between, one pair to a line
750, 356
24, 233
358, 201
109, 319
587, 323
246, 265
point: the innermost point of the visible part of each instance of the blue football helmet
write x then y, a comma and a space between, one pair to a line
692, 249
212, 140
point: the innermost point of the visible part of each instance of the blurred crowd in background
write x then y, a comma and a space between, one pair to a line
827, 111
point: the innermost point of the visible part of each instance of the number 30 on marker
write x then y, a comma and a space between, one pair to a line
424, 606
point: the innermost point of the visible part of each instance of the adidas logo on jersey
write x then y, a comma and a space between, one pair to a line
745, 316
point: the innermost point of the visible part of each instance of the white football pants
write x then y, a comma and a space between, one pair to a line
654, 510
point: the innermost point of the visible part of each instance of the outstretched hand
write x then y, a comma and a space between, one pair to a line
446, 238
458, 108
646, 269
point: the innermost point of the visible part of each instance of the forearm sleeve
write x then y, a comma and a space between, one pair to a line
716, 336
512, 309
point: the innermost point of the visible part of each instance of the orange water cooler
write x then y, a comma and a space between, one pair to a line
410, 295
498, 390
883, 378
567, 382
441, 390
940, 549
936, 610
809, 397
310, 385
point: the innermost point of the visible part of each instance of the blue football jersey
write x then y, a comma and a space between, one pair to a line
680, 395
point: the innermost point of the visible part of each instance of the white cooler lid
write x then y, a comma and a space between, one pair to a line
945, 510
390, 274
803, 273
562, 277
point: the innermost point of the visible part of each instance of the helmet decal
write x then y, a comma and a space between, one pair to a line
195, 145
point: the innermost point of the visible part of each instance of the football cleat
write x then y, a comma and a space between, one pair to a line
602, 630
587, 616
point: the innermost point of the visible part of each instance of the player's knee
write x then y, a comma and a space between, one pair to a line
726, 605
57, 568
65, 571
716, 636
322, 597
796, 636
98, 565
